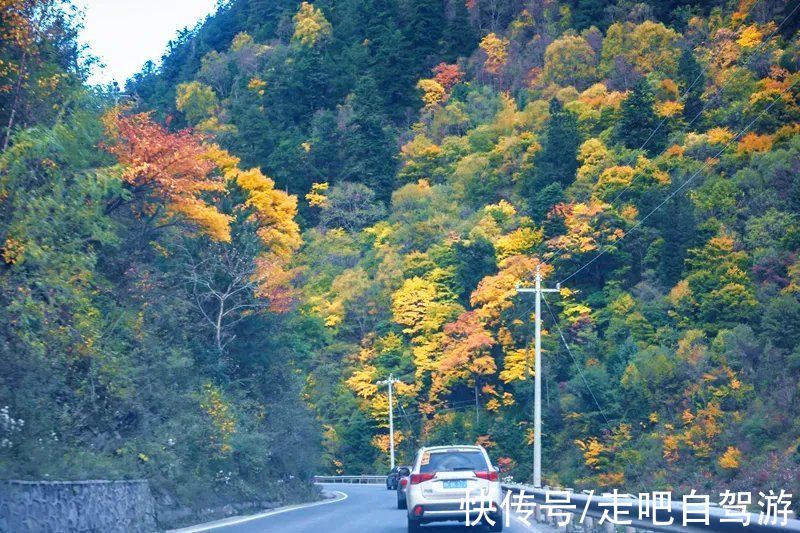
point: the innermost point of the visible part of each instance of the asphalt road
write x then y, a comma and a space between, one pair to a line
366, 508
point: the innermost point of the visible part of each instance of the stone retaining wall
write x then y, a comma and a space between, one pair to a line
76, 506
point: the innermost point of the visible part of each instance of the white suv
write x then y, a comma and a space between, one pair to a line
440, 480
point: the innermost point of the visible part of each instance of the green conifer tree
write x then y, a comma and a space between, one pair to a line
638, 123
692, 83
369, 144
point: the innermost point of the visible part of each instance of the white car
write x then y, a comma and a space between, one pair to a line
441, 479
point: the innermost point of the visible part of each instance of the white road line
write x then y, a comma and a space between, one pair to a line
530, 526
240, 520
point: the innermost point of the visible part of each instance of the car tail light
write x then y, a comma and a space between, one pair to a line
419, 478
418, 510
492, 475
404, 482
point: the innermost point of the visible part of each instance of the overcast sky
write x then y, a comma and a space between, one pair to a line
124, 34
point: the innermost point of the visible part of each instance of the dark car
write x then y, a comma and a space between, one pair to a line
403, 475
392, 478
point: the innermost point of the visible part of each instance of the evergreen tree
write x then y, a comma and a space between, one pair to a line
426, 23
459, 38
638, 123
588, 13
369, 142
692, 84
390, 60
678, 228
543, 199
557, 161
475, 259
324, 153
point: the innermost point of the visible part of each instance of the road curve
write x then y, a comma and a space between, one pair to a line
358, 508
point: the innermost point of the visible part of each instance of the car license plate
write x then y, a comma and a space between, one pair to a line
456, 484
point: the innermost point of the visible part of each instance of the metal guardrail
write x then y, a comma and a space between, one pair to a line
597, 504
361, 480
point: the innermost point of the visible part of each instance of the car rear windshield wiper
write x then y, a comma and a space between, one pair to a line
456, 469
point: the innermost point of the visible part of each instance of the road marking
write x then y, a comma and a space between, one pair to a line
240, 520
530, 526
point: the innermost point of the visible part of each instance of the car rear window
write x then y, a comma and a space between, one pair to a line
452, 460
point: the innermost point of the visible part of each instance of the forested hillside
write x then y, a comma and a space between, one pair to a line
205, 275
144, 331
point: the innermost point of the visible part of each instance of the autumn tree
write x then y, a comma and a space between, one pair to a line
196, 101
496, 50
310, 25
570, 60
447, 75
466, 354
167, 174
647, 47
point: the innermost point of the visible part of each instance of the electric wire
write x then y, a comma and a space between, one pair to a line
688, 181
586, 382
706, 105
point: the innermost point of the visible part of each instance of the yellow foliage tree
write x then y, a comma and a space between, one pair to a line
750, 36
592, 450
221, 415
494, 294
516, 366
362, 381
316, 196
274, 210
753, 142
433, 93
496, 50
589, 225
650, 46
570, 60
520, 241
310, 25
196, 101
411, 304
731, 459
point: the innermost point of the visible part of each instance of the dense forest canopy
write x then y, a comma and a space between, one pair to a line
205, 275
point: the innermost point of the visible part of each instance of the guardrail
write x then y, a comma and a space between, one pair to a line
361, 480
595, 505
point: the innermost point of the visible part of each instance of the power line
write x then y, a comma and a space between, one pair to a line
608, 247
708, 100
455, 406
585, 381
637, 174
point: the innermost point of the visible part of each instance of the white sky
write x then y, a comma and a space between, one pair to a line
124, 34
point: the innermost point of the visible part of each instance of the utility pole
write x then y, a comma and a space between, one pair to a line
477, 412
390, 382
537, 377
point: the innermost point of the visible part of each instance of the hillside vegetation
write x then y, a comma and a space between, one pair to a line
205, 276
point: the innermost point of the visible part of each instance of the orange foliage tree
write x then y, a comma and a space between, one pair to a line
162, 168
447, 75
178, 176
465, 352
